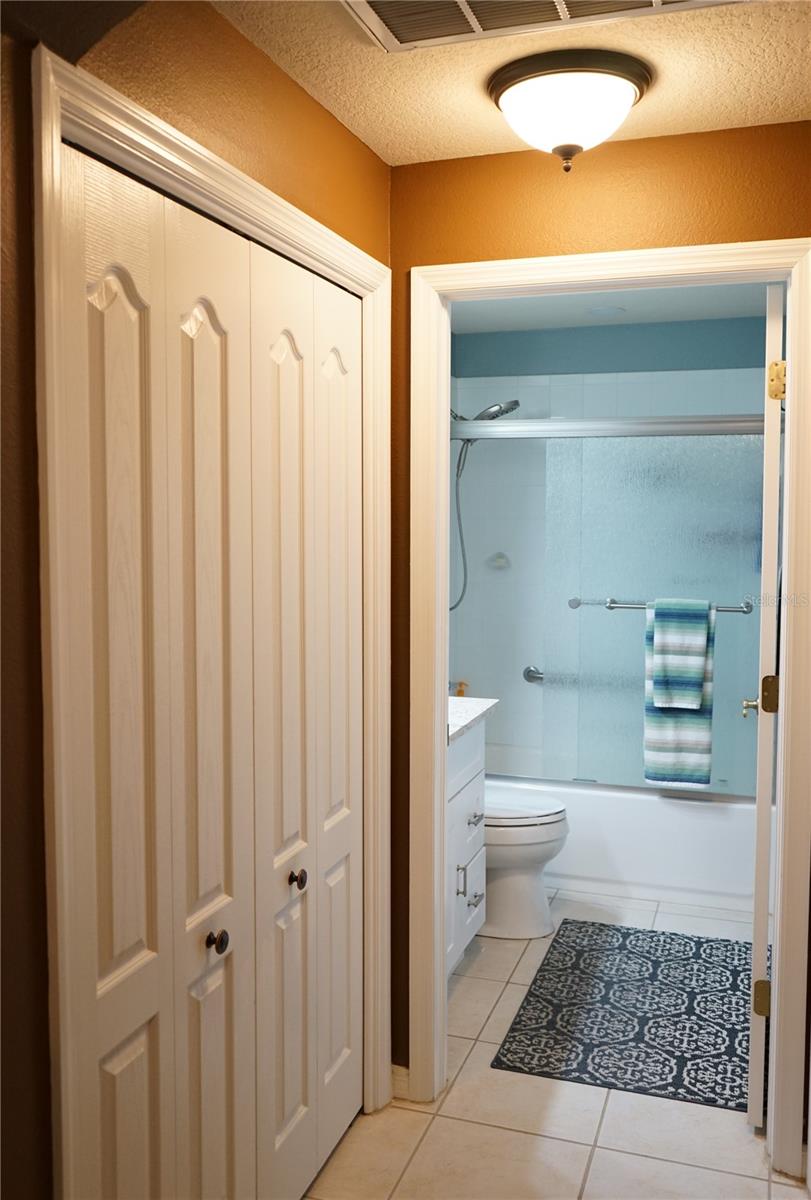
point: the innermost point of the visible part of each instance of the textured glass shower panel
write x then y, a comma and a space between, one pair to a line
637, 519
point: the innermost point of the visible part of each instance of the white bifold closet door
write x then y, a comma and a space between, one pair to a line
307, 533
208, 351
204, 583
112, 940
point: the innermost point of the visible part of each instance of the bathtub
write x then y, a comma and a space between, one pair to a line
640, 842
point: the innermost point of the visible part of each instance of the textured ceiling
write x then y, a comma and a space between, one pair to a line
715, 68
640, 307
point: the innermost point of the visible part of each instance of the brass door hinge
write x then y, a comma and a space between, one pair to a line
769, 689
762, 997
777, 380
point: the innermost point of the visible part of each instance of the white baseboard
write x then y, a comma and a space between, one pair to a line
667, 895
399, 1082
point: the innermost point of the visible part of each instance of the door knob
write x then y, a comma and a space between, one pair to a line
300, 879
218, 940
747, 705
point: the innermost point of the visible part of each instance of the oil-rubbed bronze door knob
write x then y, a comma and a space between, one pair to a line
300, 879
218, 940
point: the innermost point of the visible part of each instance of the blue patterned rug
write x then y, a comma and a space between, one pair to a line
640, 1010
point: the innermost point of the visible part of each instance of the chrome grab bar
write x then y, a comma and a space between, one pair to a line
533, 675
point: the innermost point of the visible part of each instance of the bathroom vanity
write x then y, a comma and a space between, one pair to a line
464, 828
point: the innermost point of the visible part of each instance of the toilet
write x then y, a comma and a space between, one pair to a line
523, 831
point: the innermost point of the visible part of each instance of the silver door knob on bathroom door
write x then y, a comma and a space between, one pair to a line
746, 705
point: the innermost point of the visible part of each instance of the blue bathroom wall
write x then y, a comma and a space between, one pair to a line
595, 349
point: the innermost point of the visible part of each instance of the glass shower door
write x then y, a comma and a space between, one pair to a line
636, 519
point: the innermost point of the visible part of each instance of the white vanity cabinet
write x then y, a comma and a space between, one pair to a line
464, 834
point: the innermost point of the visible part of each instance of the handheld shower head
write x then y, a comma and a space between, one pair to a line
491, 413
494, 411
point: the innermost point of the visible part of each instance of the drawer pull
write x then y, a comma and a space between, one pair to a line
475, 818
461, 891
475, 900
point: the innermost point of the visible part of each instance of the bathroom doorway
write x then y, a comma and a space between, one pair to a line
565, 734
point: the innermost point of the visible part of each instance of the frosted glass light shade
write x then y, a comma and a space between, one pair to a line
565, 101
576, 108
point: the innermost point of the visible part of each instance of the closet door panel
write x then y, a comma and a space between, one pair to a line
111, 751
208, 382
335, 668
282, 367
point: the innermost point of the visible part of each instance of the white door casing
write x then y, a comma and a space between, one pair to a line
766, 722
433, 288
115, 948
210, 571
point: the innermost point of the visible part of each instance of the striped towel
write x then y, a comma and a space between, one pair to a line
679, 652
678, 741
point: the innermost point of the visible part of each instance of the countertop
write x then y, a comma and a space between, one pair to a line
465, 711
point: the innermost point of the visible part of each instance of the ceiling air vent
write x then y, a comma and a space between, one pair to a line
411, 24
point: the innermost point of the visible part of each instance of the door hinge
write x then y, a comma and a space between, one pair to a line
777, 380
762, 997
769, 689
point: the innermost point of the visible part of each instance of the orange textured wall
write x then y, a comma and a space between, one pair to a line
183, 61
734, 185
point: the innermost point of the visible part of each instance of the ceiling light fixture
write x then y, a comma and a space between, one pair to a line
566, 101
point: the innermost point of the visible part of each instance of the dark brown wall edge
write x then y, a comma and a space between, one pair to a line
26, 1152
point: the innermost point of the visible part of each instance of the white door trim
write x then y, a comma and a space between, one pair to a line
432, 290
71, 105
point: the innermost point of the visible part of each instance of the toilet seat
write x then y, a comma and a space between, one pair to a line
516, 813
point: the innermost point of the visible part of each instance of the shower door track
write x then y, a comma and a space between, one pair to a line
614, 427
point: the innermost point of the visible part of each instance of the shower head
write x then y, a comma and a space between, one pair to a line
494, 411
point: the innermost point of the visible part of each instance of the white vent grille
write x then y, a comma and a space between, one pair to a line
411, 24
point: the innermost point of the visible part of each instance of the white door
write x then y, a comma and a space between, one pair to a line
106, 460
282, 370
308, 711
766, 721
208, 349
334, 669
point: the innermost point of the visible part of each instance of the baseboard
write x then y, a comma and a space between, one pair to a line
399, 1082
666, 895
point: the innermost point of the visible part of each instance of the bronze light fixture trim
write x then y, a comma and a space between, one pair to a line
566, 101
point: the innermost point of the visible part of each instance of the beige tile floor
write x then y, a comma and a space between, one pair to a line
494, 1135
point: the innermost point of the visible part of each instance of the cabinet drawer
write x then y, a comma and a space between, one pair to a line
466, 822
465, 759
472, 904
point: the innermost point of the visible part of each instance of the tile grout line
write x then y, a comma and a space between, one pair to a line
546, 1137
680, 1162
593, 1149
487, 1018
410, 1159
593, 1146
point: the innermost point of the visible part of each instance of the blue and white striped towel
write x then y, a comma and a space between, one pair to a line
680, 630
678, 741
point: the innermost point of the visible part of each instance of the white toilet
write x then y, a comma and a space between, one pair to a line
524, 830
